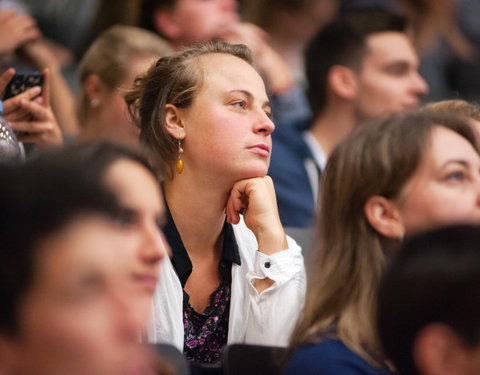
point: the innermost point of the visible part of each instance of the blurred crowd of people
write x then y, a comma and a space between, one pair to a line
185, 175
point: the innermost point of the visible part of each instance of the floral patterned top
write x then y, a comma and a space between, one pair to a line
205, 333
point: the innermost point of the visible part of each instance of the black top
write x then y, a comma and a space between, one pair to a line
180, 259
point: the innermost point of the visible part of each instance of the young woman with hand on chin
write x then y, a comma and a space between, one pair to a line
205, 113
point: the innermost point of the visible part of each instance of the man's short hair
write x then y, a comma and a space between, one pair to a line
343, 42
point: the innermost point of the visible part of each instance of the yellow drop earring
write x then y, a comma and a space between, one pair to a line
179, 165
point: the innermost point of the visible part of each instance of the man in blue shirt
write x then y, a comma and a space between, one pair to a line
360, 66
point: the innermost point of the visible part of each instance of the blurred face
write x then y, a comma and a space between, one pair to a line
439, 349
201, 20
445, 189
115, 119
227, 127
303, 23
139, 192
76, 318
471, 361
388, 80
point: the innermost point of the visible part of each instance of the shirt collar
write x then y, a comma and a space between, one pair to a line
180, 259
318, 154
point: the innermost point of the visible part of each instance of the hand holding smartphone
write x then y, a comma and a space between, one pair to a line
21, 82
30, 112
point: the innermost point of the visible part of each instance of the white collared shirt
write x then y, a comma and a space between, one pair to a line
265, 318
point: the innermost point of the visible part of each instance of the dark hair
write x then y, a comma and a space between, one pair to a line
148, 9
98, 156
38, 199
343, 42
259, 11
435, 278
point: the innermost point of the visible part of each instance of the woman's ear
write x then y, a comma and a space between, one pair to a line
94, 89
165, 23
173, 122
342, 81
384, 216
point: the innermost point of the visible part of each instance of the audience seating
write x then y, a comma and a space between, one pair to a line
172, 357
244, 359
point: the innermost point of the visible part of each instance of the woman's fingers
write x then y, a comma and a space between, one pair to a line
6, 77
31, 127
257, 197
12, 104
240, 198
36, 109
39, 132
43, 129
232, 212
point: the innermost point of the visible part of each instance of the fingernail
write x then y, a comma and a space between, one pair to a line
36, 89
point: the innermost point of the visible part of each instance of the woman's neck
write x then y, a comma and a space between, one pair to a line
87, 130
92, 129
198, 209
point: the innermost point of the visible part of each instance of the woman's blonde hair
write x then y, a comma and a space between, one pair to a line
111, 54
455, 107
377, 159
172, 80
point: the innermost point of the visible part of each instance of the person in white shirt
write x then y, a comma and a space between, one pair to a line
205, 116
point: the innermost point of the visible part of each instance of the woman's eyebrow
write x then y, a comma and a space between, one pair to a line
250, 96
462, 162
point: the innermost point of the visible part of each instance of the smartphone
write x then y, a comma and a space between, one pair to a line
22, 81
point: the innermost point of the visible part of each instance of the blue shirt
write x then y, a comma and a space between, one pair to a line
330, 357
295, 199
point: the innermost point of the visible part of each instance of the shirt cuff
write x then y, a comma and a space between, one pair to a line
279, 267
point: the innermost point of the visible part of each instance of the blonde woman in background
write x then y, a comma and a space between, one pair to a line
106, 72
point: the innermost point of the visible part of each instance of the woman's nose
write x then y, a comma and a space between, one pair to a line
154, 246
264, 124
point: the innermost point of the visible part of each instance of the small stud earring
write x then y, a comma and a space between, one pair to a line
94, 103
179, 165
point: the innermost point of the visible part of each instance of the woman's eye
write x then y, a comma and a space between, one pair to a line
456, 176
124, 218
240, 104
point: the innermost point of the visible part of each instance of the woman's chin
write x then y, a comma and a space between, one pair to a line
255, 173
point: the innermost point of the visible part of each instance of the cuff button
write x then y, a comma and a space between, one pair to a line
267, 264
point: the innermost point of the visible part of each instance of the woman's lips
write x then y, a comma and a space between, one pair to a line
147, 282
260, 149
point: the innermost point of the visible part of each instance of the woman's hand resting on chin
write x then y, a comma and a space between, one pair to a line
256, 196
